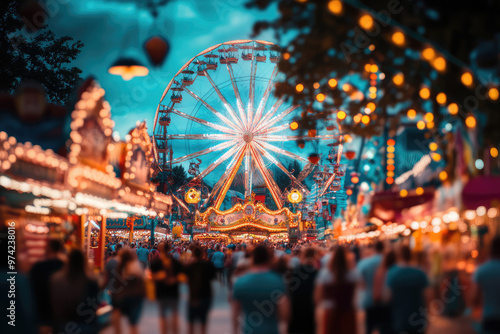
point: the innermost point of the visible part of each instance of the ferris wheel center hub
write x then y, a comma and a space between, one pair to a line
247, 136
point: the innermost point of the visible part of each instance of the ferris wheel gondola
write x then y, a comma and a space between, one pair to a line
223, 109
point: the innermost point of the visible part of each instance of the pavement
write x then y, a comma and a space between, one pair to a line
219, 317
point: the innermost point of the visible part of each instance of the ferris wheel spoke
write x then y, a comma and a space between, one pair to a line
271, 184
228, 107
281, 151
280, 166
229, 180
251, 94
273, 129
239, 102
263, 101
282, 138
203, 136
327, 184
275, 119
224, 176
269, 114
204, 122
218, 162
215, 148
248, 174
181, 203
212, 109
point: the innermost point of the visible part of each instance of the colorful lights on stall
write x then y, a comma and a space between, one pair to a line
390, 162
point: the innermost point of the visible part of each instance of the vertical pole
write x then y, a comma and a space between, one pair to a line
103, 240
87, 240
83, 219
384, 158
131, 232
153, 226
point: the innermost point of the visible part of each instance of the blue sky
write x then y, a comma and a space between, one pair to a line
110, 29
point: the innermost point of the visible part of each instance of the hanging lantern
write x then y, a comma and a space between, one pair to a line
192, 196
314, 158
294, 196
350, 155
128, 68
157, 49
301, 143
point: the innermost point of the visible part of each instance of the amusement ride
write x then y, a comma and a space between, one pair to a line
220, 110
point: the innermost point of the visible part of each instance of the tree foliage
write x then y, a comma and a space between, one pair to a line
282, 180
39, 56
179, 177
323, 45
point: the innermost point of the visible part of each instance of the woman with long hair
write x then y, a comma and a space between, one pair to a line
129, 291
334, 295
72, 287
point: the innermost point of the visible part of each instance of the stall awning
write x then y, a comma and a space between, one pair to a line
481, 191
391, 207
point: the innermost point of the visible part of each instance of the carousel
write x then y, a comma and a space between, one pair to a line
236, 137
249, 220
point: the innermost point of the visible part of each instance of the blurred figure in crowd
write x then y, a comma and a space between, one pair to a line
407, 286
486, 291
451, 286
218, 262
334, 294
154, 254
367, 268
381, 296
300, 286
111, 264
143, 255
128, 295
74, 296
40, 275
260, 296
200, 274
165, 271
22, 314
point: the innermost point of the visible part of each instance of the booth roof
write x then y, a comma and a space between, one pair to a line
481, 191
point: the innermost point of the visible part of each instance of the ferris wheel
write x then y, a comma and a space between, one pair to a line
219, 111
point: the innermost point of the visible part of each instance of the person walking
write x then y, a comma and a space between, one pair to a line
381, 297
165, 272
143, 255
40, 275
486, 290
127, 294
408, 290
334, 295
200, 274
260, 295
72, 288
300, 288
367, 269
218, 262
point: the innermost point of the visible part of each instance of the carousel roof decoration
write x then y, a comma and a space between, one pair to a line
238, 121
249, 214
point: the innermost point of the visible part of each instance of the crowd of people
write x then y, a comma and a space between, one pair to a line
312, 287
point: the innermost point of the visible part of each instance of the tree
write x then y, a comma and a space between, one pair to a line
282, 180
327, 41
39, 56
180, 177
